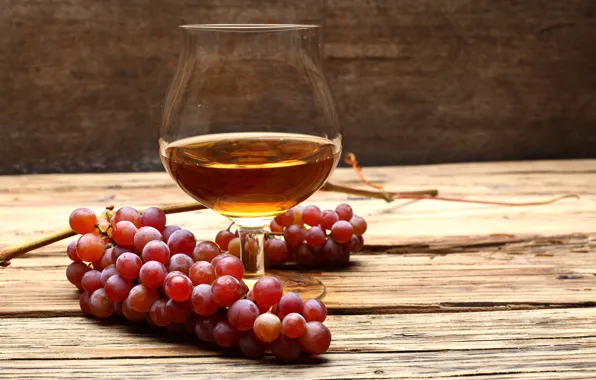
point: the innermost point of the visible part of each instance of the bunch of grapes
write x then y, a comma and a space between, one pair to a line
332, 236
144, 270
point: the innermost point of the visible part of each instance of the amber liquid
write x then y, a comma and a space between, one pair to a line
250, 175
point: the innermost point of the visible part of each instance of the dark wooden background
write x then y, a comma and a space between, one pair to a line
417, 81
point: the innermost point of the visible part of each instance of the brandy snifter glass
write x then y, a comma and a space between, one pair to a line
250, 128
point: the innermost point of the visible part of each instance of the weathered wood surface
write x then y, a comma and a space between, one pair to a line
417, 81
480, 291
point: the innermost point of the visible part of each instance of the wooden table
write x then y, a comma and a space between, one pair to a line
441, 290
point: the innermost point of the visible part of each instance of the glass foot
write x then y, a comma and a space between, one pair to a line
303, 284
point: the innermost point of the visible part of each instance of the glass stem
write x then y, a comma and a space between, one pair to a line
252, 252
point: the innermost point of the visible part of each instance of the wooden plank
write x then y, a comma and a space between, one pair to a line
529, 274
543, 363
540, 344
51, 338
39, 204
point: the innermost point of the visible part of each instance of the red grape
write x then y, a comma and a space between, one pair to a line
176, 328
107, 259
242, 314
289, 303
118, 308
90, 247
294, 235
311, 215
251, 346
293, 325
304, 255
100, 305
267, 291
276, 251
154, 217
245, 288
178, 312
152, 274
313, 310
124, 233
285, 349
168, 231
267, 327
84, 303
182, 241
285, 219
316, 339
219, 257
129, 265
97, 265
117, 288
75, 273
344, 211
178, 288
342, 231
91, 281
180, 262
205, 251
274, 227
230, 266
202, 272
352, 244
315, 236
234, 247
126, 214
360, 244
158, 313
117, 251
226, 290
333, 254
82, 221
225, 335
107, 272
144, 235
156, 251
205, 327
130, 313
222, 239
201, 300
328, 219
141, 298
172, 274
359, 225
71, 251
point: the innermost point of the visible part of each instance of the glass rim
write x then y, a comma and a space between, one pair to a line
248, 27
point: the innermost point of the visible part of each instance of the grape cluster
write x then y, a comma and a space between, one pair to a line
144, 270
332, 236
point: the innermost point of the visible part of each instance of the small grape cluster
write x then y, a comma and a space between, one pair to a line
314, 247
144, 270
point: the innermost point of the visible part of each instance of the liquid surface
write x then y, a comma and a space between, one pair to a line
250, 175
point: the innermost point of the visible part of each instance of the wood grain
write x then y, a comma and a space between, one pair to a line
51, 338
543, 344
416, 81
